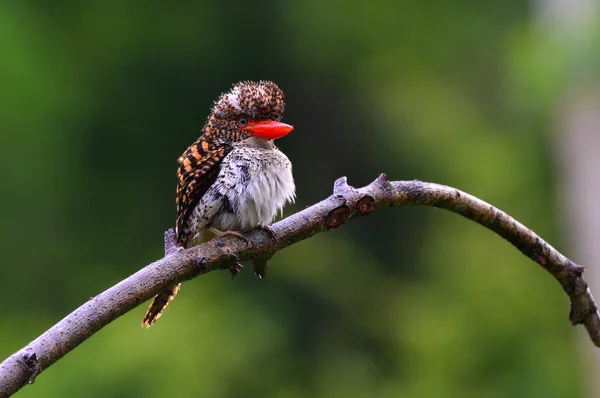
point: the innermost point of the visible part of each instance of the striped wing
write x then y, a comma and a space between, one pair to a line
198, 170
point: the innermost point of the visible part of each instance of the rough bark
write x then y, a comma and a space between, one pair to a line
346, 203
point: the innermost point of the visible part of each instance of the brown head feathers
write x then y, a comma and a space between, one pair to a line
257, 100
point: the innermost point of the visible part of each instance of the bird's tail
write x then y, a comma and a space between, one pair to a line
159, 304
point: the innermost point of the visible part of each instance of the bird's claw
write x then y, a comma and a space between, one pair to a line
235, 268
261, 275
260, 266
222, 234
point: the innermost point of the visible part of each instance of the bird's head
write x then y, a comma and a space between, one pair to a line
249, 109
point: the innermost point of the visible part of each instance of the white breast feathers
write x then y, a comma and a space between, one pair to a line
253, 185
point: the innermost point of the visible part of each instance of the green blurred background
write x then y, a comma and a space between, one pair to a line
99, 98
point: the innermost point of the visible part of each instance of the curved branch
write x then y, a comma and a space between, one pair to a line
345, 203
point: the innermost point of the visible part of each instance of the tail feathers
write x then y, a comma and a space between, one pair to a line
159, 304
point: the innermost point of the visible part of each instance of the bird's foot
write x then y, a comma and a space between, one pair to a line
234, 266
222, 234
270, 231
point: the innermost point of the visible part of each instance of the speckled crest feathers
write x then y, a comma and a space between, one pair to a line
258, 100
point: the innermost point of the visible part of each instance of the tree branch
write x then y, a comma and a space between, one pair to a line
345, 203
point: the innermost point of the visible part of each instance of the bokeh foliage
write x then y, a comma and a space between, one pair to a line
98, 99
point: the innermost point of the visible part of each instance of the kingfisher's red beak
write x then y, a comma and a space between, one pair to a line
268, 129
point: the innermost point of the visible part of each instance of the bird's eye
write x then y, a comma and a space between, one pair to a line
242, 122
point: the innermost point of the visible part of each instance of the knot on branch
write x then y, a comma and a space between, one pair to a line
33, 366
365, 205
337, 216
581, 312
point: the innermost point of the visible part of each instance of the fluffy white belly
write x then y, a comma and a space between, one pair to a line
253, 185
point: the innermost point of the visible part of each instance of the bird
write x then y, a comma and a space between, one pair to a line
233, 178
